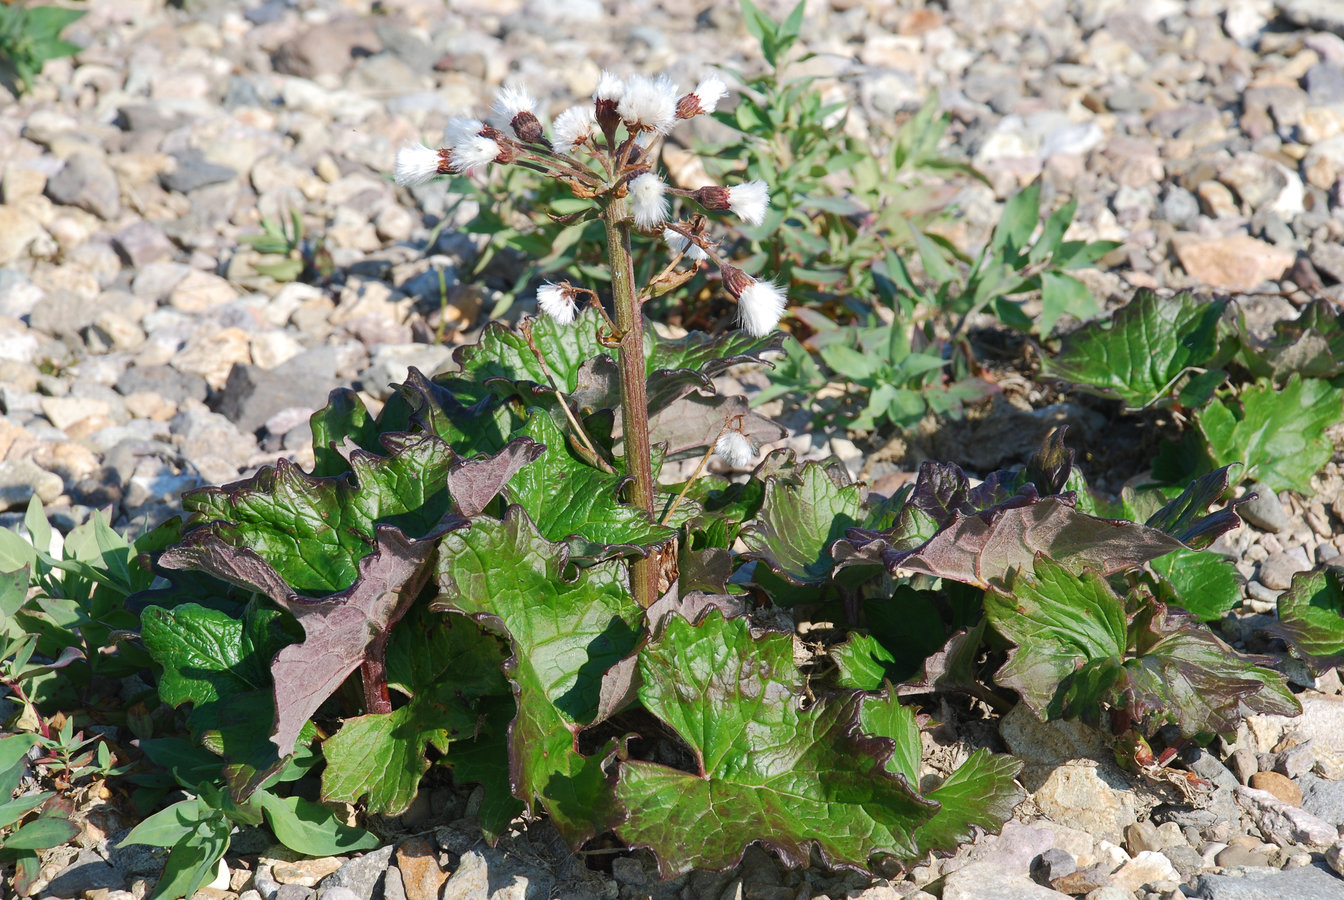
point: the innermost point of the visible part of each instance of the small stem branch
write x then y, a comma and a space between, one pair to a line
373, 675
579, 433
676, 501
634, 397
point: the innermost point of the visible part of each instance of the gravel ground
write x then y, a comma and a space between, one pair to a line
141, 352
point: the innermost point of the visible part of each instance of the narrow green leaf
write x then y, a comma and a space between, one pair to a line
42, 833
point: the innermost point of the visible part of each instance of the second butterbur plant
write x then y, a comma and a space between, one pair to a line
495, 563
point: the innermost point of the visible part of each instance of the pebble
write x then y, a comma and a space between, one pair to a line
1279, 785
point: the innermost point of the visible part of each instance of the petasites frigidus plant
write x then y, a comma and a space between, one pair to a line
529, 605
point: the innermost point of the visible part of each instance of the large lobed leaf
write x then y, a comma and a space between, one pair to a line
1140, 355
767, 769
1311, 617
564, 636
1278, 434
449, 669
345, 540
1081, 650
804, 511
978, 535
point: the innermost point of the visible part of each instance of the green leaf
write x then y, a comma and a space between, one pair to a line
1064, 295
564, 635
445, 665
194, 859
803, 513
1021, 214
764, 768
314, 531
1277, 434
1312, 345
484, 760
208, 655
42, 833
310, 828
863, 664
1081, 651
1057, 620
1140, 355
1207, 585
569, 499
1311, 617
981, 791
167, 826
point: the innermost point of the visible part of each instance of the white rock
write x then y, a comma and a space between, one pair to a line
1150, 867
1284, 824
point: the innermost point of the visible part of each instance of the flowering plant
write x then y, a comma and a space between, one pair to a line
688, 667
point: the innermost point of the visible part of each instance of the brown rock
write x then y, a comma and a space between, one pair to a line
1239, 262
1280, 786
418, 862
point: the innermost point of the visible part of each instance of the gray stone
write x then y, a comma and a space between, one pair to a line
329, 48
1320, 15
170, 384
1185, 858
89, 872
1323, 799
1314, 882
1278, 570
1142, 836
294, 892
142, 243
471, 880
1180, 207
62, 314
1243, 763
984, 881
87, 182
1297, 760
1325, 83
1264, 511
1282, 823
1053, 863
194, 171
362, 875
21, 479
252, 395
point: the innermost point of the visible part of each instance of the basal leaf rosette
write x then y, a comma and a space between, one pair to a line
346, 555
1081, 652
1311, 617
834, 775
1147, 351
978, 535
565, 629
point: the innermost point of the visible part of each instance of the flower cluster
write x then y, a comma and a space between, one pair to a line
602, 151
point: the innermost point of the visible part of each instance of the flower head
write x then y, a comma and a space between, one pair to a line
516, 109
679, 243
648, 200
475, 151
749, 199
417, 164
559, 301
760, 304
573, 127
460, 128
704, 99
649, 103
734, 448
609, 87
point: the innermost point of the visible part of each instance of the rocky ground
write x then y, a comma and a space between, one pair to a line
141, 352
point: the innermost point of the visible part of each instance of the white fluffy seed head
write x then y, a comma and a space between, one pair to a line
734, 448
416, 164
460, 128
649, 103
609, 87
573, 127
648, 201
509, 102
679, 243
760, 306
709, 92
750, 201
473, 152
557, 301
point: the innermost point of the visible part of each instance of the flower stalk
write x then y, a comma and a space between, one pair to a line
618, 174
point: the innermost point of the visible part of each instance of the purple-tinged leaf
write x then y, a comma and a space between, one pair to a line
980, 793
564, 636
474, 483
1311, 617
802, 515
1080, 654
766, 769
1187, 518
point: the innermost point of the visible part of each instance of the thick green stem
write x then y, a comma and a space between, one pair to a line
634, 400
